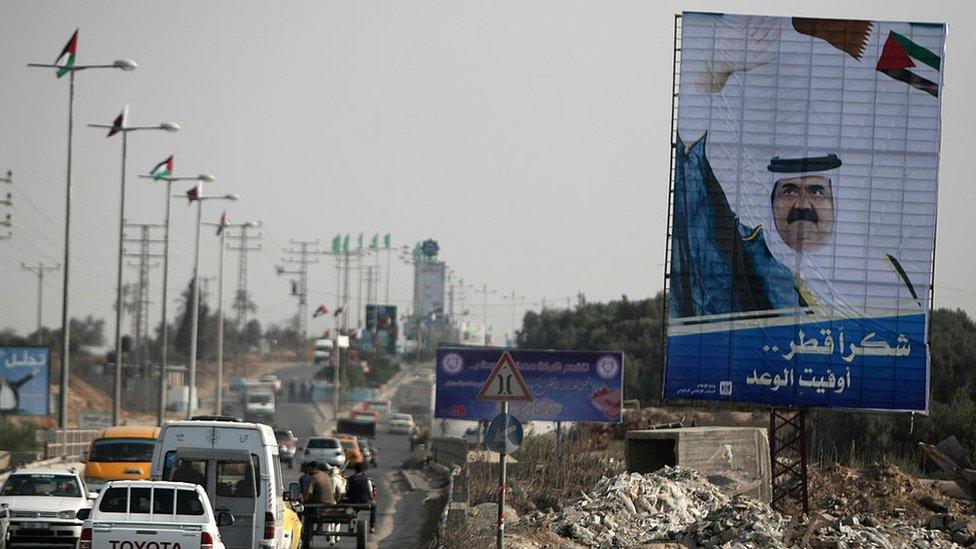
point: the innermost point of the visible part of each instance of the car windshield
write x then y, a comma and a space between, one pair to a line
327, 443
349, 445
283, 435
42, 485
401, 417
259, 399
114, 449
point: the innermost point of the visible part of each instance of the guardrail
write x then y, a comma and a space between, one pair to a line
69, 443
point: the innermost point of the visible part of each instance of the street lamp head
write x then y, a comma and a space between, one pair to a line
251, 224
232, 196
170, 126
206, 178
127, 65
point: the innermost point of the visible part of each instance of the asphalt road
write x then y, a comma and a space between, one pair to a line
399, 515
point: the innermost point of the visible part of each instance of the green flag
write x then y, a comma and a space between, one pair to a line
345, 245
386, 240
360, 240
376, 242
337, 243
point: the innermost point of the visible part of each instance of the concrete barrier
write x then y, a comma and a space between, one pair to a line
450, 451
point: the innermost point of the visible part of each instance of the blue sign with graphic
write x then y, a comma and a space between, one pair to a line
504, 434
24, 373
565, 385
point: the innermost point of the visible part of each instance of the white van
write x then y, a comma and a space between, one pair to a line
255, 439
323, 350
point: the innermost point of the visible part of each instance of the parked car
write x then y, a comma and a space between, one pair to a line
130, 513
287, 446
327, 449
43, 505
401, 423
273, 380
123, 452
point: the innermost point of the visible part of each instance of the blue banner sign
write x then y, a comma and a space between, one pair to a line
24, 373
565, 385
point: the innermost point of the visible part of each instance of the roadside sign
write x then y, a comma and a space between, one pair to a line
504, 434
505, 383
565, 385
94, 420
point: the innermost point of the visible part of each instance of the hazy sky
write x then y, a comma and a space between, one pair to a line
530, 138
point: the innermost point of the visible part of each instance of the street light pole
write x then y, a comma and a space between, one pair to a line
195, 302
164, 335
121, 127
125, 65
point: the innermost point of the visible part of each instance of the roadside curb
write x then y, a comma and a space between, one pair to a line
439, 469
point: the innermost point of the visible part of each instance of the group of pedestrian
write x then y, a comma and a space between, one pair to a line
300, 391
323, 483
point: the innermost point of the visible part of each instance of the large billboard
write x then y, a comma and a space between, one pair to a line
565, 385
24, 374
381, 331
804, 211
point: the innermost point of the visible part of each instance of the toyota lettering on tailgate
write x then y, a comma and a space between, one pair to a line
126, 544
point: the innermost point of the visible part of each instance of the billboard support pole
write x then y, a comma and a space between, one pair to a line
502, 473
788, 457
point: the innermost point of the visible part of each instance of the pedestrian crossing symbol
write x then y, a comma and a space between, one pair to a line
505, 383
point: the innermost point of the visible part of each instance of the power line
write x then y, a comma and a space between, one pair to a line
299, 252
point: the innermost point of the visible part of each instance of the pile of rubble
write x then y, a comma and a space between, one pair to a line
630, 508
681, 506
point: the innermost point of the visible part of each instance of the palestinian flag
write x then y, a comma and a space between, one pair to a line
899, 55
224, 223
320, 311
120, 121
163, 169
194, 193
67, 58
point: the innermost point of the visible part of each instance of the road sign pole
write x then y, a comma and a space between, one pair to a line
501, 483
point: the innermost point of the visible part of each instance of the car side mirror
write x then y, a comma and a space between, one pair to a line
225, 519
83, 514
294, 491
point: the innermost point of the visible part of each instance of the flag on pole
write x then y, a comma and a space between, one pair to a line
337, 244
387, 240
67, 57
345, 245
338, 311
224, 222
376, 242
320, 311
120, 121
163, 169
194, 193
360, 240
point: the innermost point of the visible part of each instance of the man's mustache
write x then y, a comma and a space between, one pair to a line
802, 214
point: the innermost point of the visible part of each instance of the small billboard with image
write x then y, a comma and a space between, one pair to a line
804, 211
24, 374
381, 331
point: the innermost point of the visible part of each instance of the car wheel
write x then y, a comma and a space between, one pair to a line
361, 532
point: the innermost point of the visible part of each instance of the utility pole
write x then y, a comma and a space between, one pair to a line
39, 270
141, 295
299, 253
242, 299
205, 289
9, 180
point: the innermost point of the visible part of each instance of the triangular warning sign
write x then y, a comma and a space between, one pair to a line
505, 383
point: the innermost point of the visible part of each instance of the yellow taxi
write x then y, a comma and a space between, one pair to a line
350, 445
120, 453
293, 525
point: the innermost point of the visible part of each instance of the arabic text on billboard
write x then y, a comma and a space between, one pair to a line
565, 385
24, 375
804, 211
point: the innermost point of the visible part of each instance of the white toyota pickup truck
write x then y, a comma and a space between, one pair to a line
142, 514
